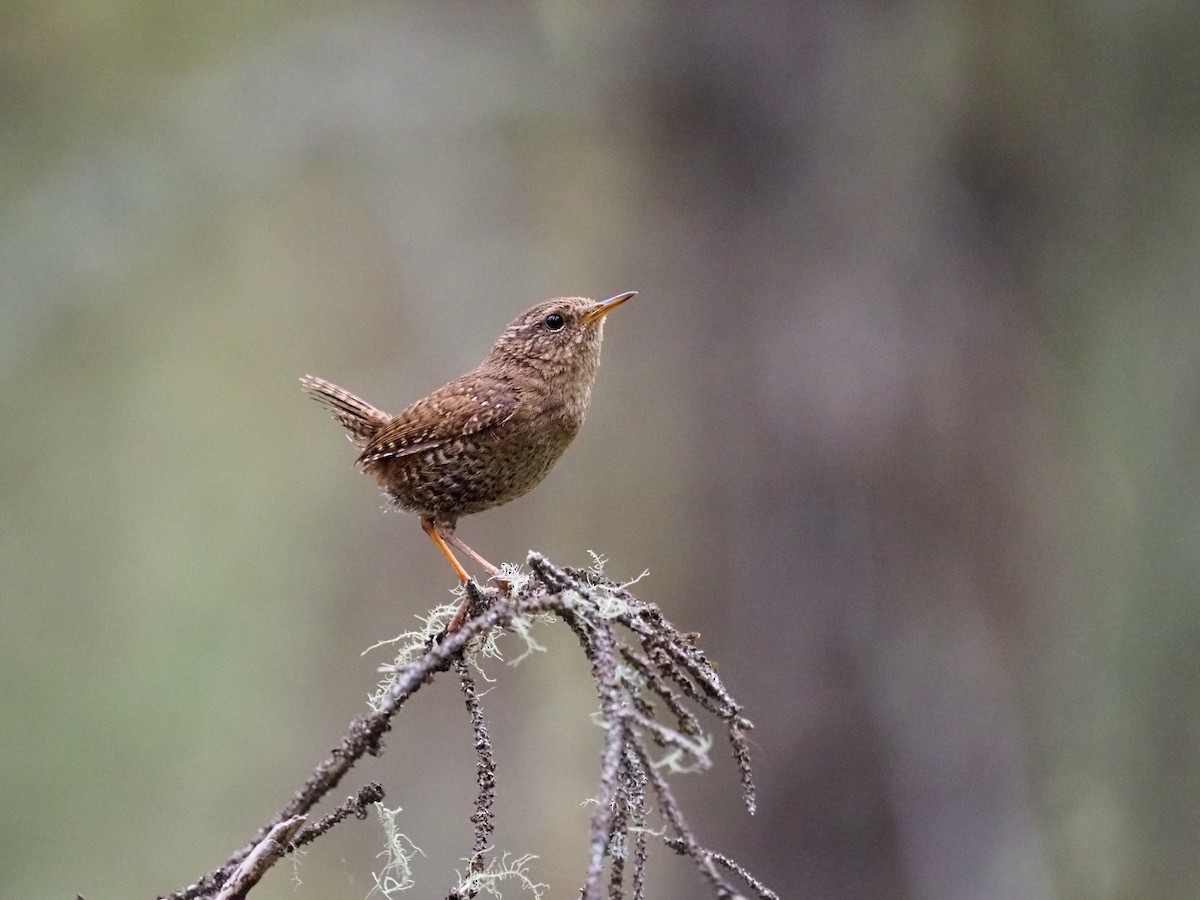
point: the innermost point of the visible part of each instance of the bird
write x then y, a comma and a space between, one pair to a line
488, 436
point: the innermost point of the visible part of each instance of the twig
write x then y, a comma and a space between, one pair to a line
485, 770
355, 805
600, 652
684, 838
261, 858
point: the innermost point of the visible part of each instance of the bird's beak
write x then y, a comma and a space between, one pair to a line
600, 310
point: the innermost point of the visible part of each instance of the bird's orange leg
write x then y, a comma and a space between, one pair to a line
457, 543
432, 530
493, 571
444, 535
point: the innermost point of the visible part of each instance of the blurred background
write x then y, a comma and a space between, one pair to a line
904, 421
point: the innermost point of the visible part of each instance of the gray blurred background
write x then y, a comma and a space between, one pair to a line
904, 421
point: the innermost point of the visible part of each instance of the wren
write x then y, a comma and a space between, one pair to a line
488, 436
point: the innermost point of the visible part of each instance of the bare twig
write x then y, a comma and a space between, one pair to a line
764, 892
261, 858
600, 652
685, 841
355, 805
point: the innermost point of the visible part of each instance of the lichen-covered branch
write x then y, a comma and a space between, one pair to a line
652, 684
662, 664
485, 770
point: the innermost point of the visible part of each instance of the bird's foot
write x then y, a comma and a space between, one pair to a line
460, 616
476, 600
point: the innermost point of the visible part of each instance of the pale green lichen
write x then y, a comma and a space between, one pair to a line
598, 562
399, 850
690, 759
294, 858
605, 599
522, 627
409, 646
633, 680
412, 644
499, 870
516, 576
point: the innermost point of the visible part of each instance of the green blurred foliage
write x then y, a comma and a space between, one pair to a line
904, 421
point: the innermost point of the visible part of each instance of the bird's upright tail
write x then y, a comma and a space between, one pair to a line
360, 419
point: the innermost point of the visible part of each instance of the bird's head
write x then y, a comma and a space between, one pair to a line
560, 338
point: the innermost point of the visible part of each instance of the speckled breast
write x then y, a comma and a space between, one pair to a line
474, 473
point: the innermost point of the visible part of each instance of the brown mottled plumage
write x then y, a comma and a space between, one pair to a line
490, 435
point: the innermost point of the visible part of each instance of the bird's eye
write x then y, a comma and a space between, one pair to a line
555, 322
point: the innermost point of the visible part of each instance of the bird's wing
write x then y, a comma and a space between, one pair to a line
465, 406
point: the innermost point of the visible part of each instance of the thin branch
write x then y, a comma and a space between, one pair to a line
637, 803
260, 859
485, 769
764, 892
355, 805
601, 654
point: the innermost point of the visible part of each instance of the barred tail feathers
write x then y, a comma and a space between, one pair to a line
360, 419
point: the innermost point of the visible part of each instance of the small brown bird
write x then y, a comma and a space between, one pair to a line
490, 435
